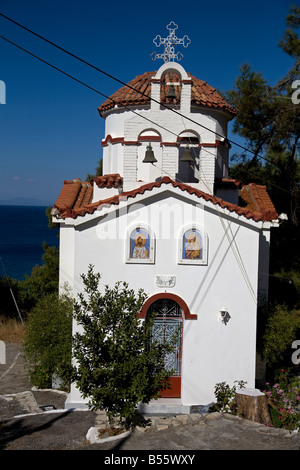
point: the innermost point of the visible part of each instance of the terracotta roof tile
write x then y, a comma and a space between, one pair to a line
259, 206
85, 195
257, 198
69, 193
201, 93
107, 181
227, 182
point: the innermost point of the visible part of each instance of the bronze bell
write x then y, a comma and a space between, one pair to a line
149, 155
187, 156
171, 92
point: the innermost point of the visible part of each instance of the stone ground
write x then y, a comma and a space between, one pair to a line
33, 419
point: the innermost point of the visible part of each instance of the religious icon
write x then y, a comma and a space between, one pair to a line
139, 244
192, 245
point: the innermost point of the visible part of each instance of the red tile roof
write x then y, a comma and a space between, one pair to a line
257, 198
107, 181
227, 183
139, 92
76, 196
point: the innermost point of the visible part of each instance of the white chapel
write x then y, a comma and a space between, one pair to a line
166, 218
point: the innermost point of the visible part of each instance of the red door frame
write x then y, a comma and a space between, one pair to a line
187, 315
175, 381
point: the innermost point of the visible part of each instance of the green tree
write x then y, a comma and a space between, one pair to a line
280, 333
52, 225
117, 364
43, 279
48, 339
11, 296
269, 120
98, 171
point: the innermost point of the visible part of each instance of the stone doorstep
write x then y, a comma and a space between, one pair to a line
158, 423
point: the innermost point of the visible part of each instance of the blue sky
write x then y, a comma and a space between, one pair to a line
50, 127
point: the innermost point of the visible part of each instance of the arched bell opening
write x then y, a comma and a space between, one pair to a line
170, 89
188, 157
149, 155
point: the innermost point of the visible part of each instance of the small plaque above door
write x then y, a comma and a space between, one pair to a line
165, 280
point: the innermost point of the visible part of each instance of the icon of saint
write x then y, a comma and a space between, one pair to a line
140, 251
192, 247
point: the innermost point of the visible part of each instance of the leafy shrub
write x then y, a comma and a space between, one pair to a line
116, 363
10, 289
43, 280
225, 396
48, 339
284, 400
280, 333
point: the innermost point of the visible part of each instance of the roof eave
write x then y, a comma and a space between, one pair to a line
81, 214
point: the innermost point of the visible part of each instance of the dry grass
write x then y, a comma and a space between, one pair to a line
11, 330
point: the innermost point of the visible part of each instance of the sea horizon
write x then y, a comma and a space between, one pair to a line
24, 229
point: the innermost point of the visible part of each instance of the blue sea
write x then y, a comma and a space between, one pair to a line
23, 229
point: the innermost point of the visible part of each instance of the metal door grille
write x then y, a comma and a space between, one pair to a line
168, 320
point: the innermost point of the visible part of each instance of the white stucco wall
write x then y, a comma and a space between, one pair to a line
212, 351
209, 124
66, 257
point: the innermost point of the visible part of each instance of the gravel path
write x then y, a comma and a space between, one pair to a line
33, 419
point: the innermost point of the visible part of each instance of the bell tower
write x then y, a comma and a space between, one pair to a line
167, 123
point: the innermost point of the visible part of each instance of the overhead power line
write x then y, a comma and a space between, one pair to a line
122, 83
74, 78
78, 81
95, 90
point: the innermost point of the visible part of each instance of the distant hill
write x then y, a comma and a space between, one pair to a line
24, 201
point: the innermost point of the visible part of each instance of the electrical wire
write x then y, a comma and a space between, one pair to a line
237, 255
81, 82
243, 270
108, 97
129, 86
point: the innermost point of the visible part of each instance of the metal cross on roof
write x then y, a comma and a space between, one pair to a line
169, 42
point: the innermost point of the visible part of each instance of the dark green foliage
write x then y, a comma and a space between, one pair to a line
43, 279
269, 120
117, 364
48, 339
52, 225
98, 171
9, 289
280, 332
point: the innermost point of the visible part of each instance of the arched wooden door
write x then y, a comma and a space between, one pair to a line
168, 320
